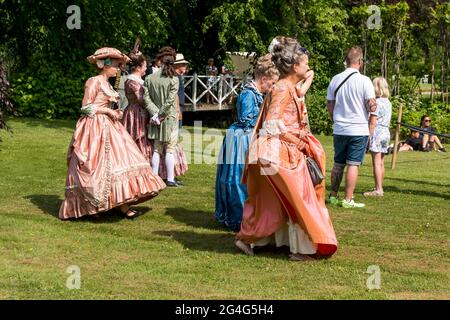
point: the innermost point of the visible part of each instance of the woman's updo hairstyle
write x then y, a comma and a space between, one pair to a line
265, 67
136, 56
285, 53
167, 56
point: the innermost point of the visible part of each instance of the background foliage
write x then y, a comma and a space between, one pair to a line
47, 67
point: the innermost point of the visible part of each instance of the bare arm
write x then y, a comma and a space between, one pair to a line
371, 105
330, 107
303, 87
372, 124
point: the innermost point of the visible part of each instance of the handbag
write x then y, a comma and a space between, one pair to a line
314, 171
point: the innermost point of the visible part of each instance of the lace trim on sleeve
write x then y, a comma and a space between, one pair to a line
274, 127
89, 110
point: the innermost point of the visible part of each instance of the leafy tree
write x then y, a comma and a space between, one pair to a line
5, 104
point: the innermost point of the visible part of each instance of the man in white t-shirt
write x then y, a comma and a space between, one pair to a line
350, 99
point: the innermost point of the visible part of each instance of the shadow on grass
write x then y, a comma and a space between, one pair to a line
441, 157
50, 204
422, 193
46, 202
410, 180
195, 218
220, 243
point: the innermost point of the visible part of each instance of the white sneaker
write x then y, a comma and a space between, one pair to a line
352, 204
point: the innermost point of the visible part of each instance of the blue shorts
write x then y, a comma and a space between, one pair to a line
349, 149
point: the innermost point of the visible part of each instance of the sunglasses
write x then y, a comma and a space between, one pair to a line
427, 120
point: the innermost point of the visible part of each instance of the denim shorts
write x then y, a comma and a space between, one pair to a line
349, 149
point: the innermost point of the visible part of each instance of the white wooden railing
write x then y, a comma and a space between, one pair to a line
220, 88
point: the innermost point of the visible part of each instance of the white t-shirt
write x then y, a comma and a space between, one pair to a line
350, 115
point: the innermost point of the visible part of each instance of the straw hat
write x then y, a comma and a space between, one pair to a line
105, 53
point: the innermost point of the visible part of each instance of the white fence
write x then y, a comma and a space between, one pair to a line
221, 90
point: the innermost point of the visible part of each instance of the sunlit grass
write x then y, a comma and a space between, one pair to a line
178, 251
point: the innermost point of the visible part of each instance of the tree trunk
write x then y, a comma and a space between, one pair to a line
398, 50
432, 82
446, 59
365, 51
442, 65
442, 82
384, 60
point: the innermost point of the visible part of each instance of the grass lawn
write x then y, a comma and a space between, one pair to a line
177, 250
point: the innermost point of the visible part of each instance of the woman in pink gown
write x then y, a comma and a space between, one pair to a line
135, 117
284, 206
106, 168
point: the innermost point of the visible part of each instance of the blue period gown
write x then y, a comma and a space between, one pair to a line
230, 193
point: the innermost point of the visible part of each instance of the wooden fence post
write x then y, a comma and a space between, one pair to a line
397, 137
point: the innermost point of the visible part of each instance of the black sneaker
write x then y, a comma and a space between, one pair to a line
442, 149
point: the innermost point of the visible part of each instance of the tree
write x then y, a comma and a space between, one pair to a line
443, 21
5, 104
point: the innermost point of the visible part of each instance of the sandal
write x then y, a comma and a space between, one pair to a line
373, 193
134, 214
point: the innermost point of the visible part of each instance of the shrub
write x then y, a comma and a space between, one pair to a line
316, 104
49, 93
414, 107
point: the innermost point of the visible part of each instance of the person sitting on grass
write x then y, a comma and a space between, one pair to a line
429, 142
413, 143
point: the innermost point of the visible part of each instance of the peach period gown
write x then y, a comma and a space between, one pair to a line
283, 206
105, 166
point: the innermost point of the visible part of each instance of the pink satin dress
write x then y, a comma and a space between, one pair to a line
135, 117
105, 166
283, 205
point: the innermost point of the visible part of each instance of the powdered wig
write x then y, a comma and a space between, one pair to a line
285, 53
265, 67
167, 56
381, 87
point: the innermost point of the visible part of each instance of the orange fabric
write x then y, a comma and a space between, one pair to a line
278, 182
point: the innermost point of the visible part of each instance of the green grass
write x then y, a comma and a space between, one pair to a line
178, 251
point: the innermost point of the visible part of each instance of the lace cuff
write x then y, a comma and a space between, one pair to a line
89, 110
274, 127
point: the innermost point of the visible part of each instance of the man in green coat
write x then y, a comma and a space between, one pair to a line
161, 101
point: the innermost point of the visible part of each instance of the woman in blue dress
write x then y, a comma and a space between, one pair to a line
230, 193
